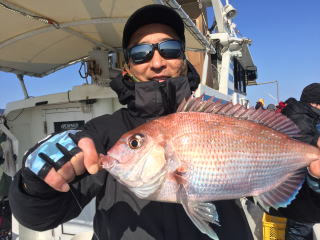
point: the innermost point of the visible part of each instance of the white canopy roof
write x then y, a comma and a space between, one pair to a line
38, 37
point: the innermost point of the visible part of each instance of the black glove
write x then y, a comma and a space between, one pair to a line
52, 152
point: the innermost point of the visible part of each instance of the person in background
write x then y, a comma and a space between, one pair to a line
306, 115
5, 181
260, 104
281, 105
63, 170
271, 107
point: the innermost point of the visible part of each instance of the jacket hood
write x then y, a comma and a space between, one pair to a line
297, 107
152, 99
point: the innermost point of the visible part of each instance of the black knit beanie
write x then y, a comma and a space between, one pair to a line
311, 93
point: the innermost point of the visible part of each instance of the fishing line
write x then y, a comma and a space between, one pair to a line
81, 208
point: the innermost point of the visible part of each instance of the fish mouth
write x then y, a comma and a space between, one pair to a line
108, 162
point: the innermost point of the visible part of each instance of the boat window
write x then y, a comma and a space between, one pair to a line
239, 77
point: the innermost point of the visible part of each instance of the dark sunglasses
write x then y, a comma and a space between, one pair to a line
141, 53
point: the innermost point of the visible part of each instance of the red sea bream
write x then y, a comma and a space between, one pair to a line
211, 151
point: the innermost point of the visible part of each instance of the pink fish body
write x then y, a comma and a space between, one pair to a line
196, 157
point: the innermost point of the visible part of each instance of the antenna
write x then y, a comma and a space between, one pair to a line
270, 95
277, 85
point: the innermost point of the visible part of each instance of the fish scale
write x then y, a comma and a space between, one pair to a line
196, 157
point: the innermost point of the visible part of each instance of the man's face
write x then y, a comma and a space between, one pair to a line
315, 105
158, 68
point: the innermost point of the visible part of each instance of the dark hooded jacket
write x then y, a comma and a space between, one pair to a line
119, 213
306, 117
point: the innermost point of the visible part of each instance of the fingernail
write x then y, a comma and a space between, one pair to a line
65, 187
93, 169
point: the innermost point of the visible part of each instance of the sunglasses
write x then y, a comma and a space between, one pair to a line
141, 53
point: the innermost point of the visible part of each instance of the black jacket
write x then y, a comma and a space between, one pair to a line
119, 213
306, 117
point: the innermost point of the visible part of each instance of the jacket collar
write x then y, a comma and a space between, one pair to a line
152, 99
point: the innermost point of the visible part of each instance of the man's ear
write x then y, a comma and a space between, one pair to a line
127, 67
185, 67
129, 73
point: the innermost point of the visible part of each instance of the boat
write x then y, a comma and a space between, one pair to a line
43, 36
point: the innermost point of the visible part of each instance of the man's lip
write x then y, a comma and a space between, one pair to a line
160, 78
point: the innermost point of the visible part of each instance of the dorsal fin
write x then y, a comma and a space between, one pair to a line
269, 118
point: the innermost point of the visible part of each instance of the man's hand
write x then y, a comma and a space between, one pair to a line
91, 157
314, 168
58, 159
88, 160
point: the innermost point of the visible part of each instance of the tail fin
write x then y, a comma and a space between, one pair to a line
284, 194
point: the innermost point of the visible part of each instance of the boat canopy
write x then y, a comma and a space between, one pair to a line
38, 37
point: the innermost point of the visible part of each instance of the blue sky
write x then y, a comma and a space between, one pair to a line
285, 48
286, 37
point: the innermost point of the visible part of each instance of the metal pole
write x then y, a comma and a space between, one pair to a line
277, 85
278, 91
205, 69
218, 14
24, 89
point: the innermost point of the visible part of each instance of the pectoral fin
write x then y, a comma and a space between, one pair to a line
200, 213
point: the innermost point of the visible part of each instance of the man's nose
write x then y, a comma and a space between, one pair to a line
157, 60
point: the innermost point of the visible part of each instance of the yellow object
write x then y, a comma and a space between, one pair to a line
273, 227
261, 100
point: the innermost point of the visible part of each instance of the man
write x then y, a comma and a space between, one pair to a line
156, 79
260, 104
5, 179
271, 107
281, 105
306, 115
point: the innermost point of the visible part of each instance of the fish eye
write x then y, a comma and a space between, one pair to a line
135, 141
